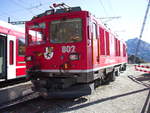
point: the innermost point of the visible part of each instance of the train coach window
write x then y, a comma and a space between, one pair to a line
102, 41
117, 47
66, 31
21, 48
107, 43
11, 52
124, 50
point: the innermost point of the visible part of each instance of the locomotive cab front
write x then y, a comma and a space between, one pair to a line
56, 50
69, 52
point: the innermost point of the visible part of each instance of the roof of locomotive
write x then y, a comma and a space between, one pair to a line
57, 11
76, 9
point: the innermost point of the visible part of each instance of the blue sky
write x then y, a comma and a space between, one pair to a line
128, 26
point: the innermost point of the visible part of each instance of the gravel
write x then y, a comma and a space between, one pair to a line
130, 93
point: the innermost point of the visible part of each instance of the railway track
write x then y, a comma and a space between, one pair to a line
133, 98
13, 94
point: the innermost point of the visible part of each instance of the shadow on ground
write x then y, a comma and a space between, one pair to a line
65, 105
72, 106
144, 80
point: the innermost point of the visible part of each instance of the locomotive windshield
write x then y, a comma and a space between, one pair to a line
66, 31
36, 34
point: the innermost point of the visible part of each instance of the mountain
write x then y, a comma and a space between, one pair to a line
143, 49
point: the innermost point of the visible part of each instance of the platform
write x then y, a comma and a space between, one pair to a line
11, 93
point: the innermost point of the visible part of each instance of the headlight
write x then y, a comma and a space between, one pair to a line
74, 56
28, 58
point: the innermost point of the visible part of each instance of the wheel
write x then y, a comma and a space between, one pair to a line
112, 76
124, 67
106, 79
97, 83
117, 72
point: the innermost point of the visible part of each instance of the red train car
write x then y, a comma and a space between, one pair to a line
68, 49
12, 51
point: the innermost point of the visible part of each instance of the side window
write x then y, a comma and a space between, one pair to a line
21, 46
107, 43
124, 50
102, 41
119, 48
94, 31
116, 46
11, 52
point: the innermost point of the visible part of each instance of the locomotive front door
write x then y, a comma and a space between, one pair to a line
11, 57
2, 57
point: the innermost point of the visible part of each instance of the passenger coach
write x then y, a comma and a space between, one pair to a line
12, 52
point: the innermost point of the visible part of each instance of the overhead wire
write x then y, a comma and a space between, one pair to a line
101, 4
117, 20
4, 13
85, 3
22, 6
40, 4
111, 7
25, 8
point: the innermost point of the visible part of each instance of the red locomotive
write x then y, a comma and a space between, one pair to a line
69, 52
12, 52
